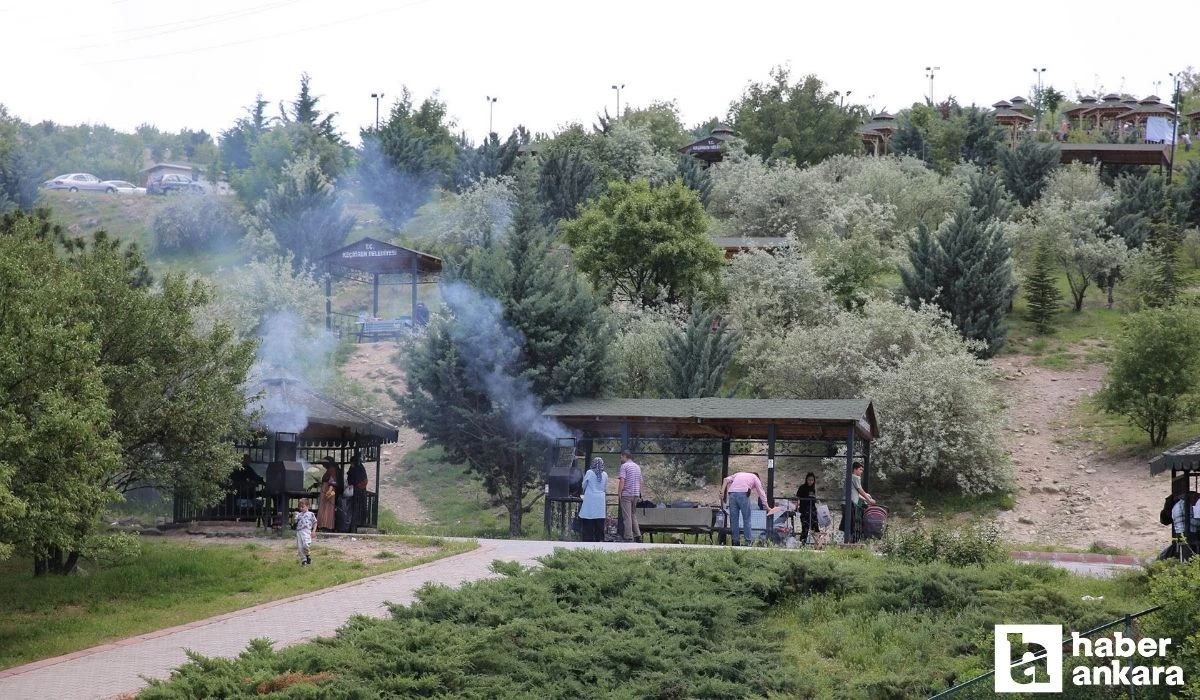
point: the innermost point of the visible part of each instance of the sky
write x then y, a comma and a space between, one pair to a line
177, 64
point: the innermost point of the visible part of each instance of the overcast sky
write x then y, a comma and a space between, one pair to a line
174, 63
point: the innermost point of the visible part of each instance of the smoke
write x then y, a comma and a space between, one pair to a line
288, 348
491, 350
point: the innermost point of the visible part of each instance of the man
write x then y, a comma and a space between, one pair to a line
858, 497
737, 488
356, 479
629, 490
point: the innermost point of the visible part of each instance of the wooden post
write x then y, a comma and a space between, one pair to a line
328, 301
770, 465
375, 295
847, 506
414, 288
867, 465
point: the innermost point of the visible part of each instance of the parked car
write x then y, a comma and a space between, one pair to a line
76, 182
162, 184
123, 187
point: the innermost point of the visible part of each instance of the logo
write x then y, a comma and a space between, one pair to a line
1043, 645
1105, 661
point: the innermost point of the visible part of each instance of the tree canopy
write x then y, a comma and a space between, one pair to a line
799, 122
637, 242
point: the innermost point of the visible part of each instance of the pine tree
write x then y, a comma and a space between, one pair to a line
304, 213
967, 271
987, 196
525, 333
920, 279
567, 180
698, 355
1027, 169
1041, 292
695, 177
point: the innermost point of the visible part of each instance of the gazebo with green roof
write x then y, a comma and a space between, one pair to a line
832, 425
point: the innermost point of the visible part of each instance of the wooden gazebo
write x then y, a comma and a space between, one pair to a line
708, 149
1006, 114
1109, 108
876, 133
369, 259
816, 429
1079, 111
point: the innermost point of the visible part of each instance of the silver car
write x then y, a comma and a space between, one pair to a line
123, 187
77, 182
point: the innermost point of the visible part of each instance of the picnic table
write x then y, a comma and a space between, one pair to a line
392, 328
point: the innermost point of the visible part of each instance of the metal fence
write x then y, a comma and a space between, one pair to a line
983, 686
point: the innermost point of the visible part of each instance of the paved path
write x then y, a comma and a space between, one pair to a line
113, 669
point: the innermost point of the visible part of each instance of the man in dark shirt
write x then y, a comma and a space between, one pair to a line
357, 478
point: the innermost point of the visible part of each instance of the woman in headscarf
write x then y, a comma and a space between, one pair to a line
806, 507
592, 511
330, 487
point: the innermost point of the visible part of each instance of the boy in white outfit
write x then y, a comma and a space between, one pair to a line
306, 525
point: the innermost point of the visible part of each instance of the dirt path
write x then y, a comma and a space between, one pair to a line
1070, 493
373, 366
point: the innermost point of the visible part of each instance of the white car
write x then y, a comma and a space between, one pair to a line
123, 187
76, 182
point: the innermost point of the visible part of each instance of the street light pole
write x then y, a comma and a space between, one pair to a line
930, 71
842, 98
491, 105
1175, 98
1038, 102
618, 88
378, 96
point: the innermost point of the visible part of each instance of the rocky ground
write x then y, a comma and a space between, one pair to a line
1069, 492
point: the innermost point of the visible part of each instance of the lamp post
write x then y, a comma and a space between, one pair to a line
491, 106
1175, 98
930, 71
378, 96
1039, 100
842, 98
618, 88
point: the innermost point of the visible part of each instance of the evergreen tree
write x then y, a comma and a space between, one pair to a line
1135, 208
698, 355
987, 196
304, 111
1041, 291
1187, 201
304, 213
695, 177
567, 180
983, 138
920, 278
480, 377
1027, 169
969, 267
490, 159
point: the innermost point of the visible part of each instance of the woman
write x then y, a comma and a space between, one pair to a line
329, 488
806, 508
592, 511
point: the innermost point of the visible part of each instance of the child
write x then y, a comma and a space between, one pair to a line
306, 525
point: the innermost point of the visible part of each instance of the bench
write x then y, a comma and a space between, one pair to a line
692, 521
384, 329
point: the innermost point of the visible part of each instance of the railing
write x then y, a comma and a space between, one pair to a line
977, 688
343, 325
260, 510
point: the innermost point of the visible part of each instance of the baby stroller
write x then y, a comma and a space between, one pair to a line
874, 521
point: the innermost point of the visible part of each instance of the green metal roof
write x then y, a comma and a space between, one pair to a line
1183, 457
793, 418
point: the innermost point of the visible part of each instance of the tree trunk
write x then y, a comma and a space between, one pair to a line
515, 513
1079, 299
1110, 294
53, 563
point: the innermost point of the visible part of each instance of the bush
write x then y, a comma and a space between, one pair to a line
935, 401
1176, 587
196, 224
916, 543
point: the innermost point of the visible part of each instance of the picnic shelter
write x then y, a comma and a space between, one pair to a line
377, 262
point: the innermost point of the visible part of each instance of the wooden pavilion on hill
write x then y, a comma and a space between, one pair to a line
1116, 153
1007, 115
1194, 118
876, 133
708, 149
369, 260
813, 429
1079, 111
1108, 109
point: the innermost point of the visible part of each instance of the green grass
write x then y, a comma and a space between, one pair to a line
170, 584
1120, 437
1078, 339
457, 503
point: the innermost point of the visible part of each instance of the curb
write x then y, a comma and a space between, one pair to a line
1078, 557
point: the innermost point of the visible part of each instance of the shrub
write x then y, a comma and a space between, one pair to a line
1176, 587
915, 542
196, 224
936, 405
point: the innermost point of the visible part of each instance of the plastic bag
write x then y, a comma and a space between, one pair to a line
824, 519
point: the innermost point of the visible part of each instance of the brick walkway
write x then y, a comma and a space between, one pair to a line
113, 669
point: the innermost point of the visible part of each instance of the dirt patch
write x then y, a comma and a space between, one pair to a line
1069, 492
373, 365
